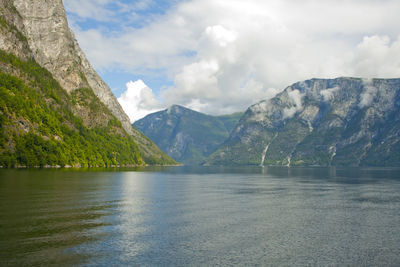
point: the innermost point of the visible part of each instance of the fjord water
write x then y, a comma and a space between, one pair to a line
200, 216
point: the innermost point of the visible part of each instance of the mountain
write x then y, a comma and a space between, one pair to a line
323, 122
186, 135
230, 120
54, 108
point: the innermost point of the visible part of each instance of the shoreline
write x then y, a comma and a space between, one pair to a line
86, 167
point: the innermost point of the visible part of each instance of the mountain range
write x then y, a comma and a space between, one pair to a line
186, 135
318, 122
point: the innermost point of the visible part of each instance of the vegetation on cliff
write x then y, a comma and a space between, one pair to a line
39, 127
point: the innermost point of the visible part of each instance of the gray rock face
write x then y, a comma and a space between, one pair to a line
55, 48
11, 27
344, 121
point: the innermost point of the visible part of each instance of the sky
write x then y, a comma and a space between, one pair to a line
221, 56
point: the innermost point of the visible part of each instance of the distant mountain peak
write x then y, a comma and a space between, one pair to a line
176, 108
179, 109
187, 135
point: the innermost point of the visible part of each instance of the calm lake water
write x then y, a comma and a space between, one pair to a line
200, 216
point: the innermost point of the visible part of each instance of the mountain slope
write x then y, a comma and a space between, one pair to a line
341, 122
44, 123
186, 135
55, 48
230, 120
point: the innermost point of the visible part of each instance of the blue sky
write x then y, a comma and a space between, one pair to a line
221, 56
111, 17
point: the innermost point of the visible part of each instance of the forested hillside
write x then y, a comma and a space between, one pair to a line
44, 124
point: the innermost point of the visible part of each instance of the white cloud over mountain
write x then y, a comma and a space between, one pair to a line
226, 55
138, 100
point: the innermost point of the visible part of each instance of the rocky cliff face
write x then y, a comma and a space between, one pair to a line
344, 121
55, 48
11, 28
186, 135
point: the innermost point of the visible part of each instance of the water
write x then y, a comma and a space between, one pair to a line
201, 216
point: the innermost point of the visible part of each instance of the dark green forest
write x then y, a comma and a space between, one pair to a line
38, 127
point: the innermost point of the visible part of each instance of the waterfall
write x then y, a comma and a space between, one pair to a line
263, 155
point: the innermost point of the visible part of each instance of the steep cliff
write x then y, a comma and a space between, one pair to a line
186, 135
35, 35
324, 122
55, 48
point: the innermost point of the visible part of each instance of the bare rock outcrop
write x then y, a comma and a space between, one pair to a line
55, 48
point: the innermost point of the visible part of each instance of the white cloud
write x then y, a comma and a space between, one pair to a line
328, 94
224, 56
93, 9
368, 94
295, 96
221, 35
138, 100
377, 56
138, 50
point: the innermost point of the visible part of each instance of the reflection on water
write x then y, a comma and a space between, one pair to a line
200, 216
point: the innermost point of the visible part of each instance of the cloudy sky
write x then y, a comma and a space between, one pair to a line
221, 56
